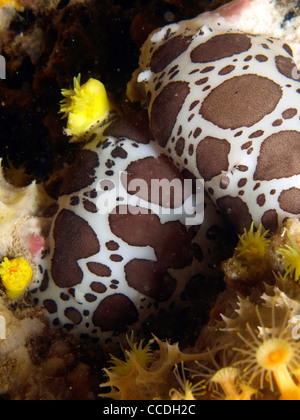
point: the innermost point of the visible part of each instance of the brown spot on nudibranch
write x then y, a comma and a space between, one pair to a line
279, 156
221, 46
226, 70
270, 220
261, 200
45, 282
89, 206
179, 148
171, 98
157, 283
119, 152
212, 157
289, 200
236, 211
168, 52
99, 269
241, 101
242, 182
112, 246
289, 113
162, 170
81, 174
50, 305
98, 287
73, 315
74, 240
288, 49
173, 236
134, 127
114, 313
261, 58
287, 67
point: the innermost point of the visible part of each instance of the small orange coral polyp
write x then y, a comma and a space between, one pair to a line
274, 353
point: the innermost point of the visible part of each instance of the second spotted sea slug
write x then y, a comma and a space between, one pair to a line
224, 105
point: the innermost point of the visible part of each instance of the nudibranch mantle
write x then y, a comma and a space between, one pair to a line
225, 106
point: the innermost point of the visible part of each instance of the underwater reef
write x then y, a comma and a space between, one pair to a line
112, 287
250, 347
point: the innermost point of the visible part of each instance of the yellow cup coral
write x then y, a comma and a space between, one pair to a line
228, 379
145, 373
10, 3
291, 256
188, 391
253, 245
16, 274
84, 105
274, 357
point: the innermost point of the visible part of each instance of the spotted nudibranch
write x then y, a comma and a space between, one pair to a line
225, 106
111, 265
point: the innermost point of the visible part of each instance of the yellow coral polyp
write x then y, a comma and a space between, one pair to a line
273, 353
253, 245
188, 391
274, 358
291, 256
234, 389
84, 105
141, 354
16, 274
145, 372
10, 3
276, 355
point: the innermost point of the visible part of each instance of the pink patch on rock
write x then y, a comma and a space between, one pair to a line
233, 8
35, 244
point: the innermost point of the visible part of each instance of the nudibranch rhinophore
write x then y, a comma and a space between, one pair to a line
118, 253
225, 105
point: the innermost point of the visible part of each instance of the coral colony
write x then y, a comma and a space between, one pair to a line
218, 105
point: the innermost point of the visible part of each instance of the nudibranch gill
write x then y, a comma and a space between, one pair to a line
225, 106
116, 255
